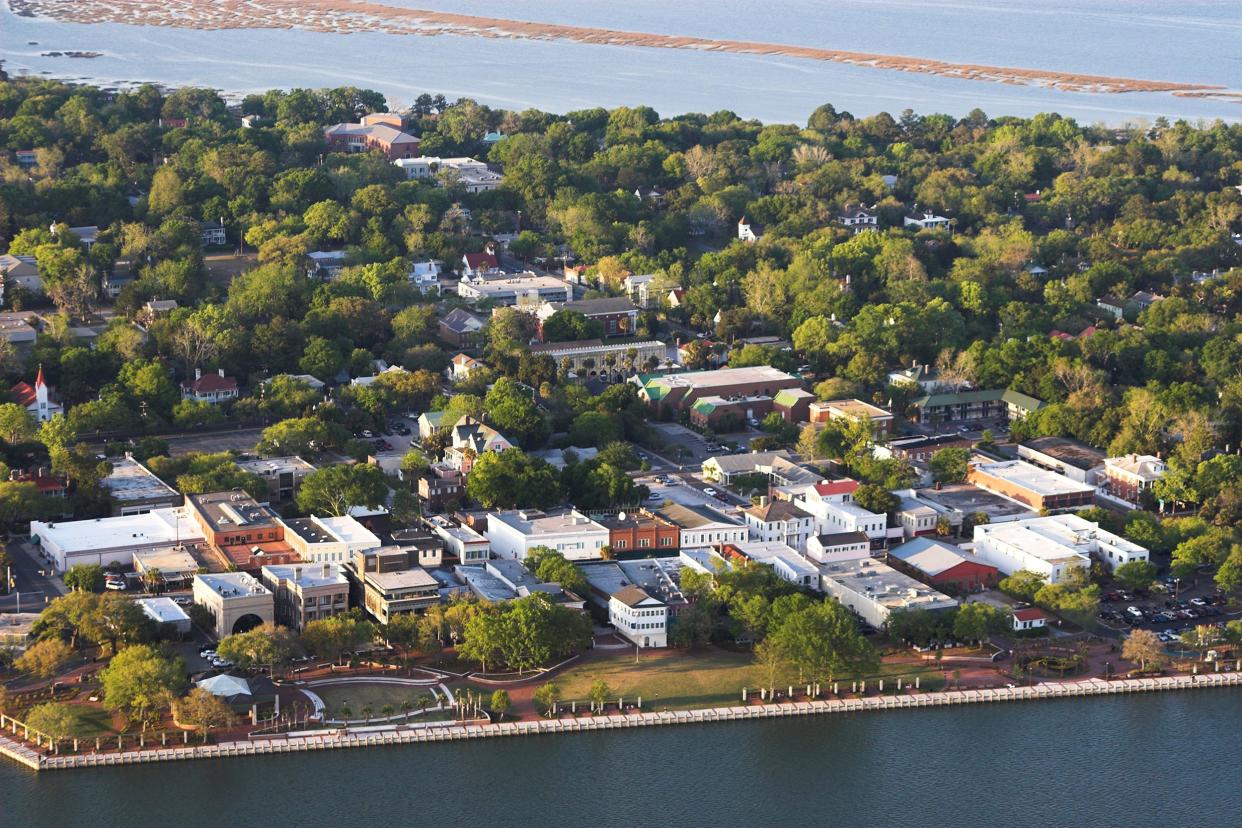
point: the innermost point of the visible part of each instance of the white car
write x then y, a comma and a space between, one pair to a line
115, 585
221, 663
710, 492
1135, 612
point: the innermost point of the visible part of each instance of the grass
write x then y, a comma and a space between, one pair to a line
358, 695
89, 722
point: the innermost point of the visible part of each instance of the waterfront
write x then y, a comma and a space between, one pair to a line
1076, 761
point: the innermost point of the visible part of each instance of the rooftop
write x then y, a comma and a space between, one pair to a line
163, 610
1032, 478
224, 510
175, 560
168, 526
843, 539
723, 377
633, 596
694, 517
772, 552
929, 556
306, 576
232, 584
274, 466
884, 586
414, 578
1056, 537
533, 522
968, 499
129, 480
1071, 452
777, 510
857, 408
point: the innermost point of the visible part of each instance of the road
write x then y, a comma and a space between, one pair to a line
241, 439
36, 585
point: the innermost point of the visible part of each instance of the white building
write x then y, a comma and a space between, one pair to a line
237, 601
784, 560
426, 276
306, 593
460, 541
518, 289
779, 520
702, 526
840, 546
514, 533
329, 540
164, 610
109, 540
833, 507
639, 617
874, 590
471, 175
926, 221
1051, 546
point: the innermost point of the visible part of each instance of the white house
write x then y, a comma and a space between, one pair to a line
639, 617
639, 288
927, 221
468, 440
701, 526
513, 534
209, 388
1051, 546
461, 367
840, 546
748, 232
859, 218
471, 175
426, 276
832, 504
779, 520
1028, 618
785, 562
329, 540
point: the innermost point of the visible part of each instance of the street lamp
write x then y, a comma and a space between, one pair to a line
1176, 584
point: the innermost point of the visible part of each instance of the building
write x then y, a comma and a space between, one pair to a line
943, 566
386, 585
17, 331
640, 531
508, 580
832, 505
859, 218
793, 404
237, 601
779, 520
283, 475
209, 388
748, 231
731, 414
378, 132
973, 406
955, 502
777, 466
426, 277
461, 542
926, 221
639, 288
875, 590
329, 540
520, 288
20, 272
617, 315
1114, 307
1077, 461
784, 561
48, 483
465, 173
325, 264
592, 359
919, 450
839, 546
679, 392
916, 517
856, 410
1050, 546
134, 489
461, 367
476, 266
17, 630
1128, 477
164, 610
111, 540
211, 234
172, 566
246, 534
470, 439
429, 422
38, 399
462, 329
1038, 488
306, 593
514, 533
639, 617
441, 486
702, 526
1028, 618
420, 545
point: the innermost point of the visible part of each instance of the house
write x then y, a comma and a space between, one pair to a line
506, 580
469, 439
134, 489
211, 234
1051, 546
209, 388
420, 546
943, 566
1028, 618
640, 531
617, 315
49, 483
462, 329
526, 289
461, 367
926, 221
104, 541
639, 617
973, 406
465, 173
923, 377
88, 235
237, 602
856, 410
514, 533
26, 158
916, 517
1112, 305
639, 288
779, 520
19, 272
793, 404
783, 560
440, 486
875, 590
679, 392
461, 542
429, 422
831, 502
158, 309
18, 331
748, 232
859, 218
778, 466
164, 610
426, 277
245, 534
1038, 488
377, 132
1077, 461
303, 594
919, 450
329, 540
325, 264
701, 526
652, 195
838, 546
38, 399
1129, 476
475, 265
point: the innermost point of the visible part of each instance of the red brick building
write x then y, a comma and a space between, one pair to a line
943, 566
641, 532
378, 132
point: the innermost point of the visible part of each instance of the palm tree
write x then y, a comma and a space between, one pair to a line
366, 712
406, 706
387, 710
345, 711
424, 701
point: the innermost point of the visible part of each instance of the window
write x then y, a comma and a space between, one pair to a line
644, 542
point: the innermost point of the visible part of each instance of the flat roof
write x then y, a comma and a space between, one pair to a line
858, 408
484, 584
232, 584
724, 376
129, 480
163, 610
404, 579
1033, 478
1071, 452
765, 552
272, 466
968, 499
224, 510
347, 529
307, 575
533, 522
170, 525
884, 586
693, 516
169, 561
1053, 537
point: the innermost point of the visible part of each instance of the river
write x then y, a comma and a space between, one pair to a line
1192, 41
1154, 760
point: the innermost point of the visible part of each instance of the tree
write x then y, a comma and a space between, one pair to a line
599, 694
85, 577
333, 637
1144, 647
771, 661
267, 645
546, 696
53, 719
140, 682
976, 621
500, 703
334, 489
296, 436
68, 617
875, 499
16, 424
203, 710
949, 465
553, 567
117, 620
45, 658
511, 479
511, 409
1135, 574
1022, 584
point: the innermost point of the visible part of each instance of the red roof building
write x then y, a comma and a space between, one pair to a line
37, 399
209, 388
1029, 618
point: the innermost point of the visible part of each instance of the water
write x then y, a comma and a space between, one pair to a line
1155, 760
1193, 42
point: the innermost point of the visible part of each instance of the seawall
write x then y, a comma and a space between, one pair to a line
396, 735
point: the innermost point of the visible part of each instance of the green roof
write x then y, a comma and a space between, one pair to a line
704, 407
1022, 400
967, 397
789, 396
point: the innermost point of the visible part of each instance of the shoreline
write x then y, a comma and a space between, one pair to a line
398, 735
353, 16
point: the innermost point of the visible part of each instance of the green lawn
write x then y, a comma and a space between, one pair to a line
359, 695
89, 722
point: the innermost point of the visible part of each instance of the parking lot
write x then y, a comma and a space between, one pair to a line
688, 490
1167, 613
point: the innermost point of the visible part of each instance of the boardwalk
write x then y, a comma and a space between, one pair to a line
440, 732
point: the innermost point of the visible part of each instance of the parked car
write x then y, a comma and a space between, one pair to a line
1134, 612
710, 492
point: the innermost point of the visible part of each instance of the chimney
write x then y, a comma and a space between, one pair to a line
327, 570
198, 373
763, 500
297, 574
220, 371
